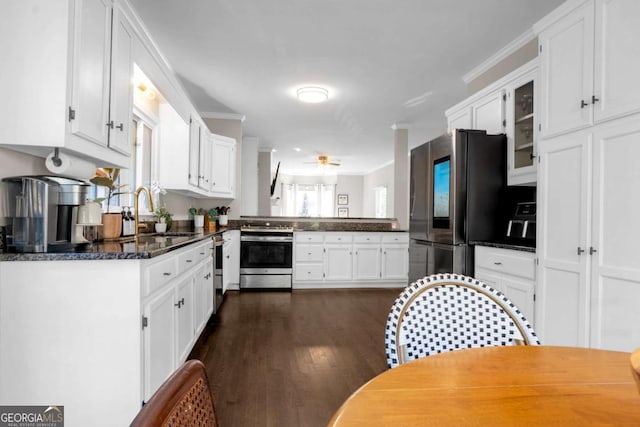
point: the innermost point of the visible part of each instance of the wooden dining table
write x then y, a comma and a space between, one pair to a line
500, 386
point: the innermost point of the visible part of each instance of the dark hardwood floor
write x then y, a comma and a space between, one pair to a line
291, 358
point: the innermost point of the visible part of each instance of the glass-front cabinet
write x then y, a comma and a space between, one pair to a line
521, 130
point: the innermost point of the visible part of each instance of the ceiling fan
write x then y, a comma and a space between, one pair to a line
323, 160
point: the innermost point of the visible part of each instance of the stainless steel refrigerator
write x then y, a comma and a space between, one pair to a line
455, 189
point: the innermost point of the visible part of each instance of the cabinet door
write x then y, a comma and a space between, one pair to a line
121, 101
615, 264
566, 72
223, 167
460, 119
209, 290
184, 324
200, 297
521, 293
617, 58
488, 113
337, 262
395, 262
91, 69
521, 130
194, 152
158, 336
366, 262
563, 218
205, 159
488, 277
232, 255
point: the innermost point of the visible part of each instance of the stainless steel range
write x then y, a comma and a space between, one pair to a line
266, 257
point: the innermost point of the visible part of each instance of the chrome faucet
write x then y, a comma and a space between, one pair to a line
136, 194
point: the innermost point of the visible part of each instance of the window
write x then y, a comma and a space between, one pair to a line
140, 169
380, 200
308, 199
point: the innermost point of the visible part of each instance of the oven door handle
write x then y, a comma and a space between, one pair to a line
266, 239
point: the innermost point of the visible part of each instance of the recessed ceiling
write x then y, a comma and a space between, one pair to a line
382, 61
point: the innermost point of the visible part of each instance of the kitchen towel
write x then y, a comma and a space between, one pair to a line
70, 166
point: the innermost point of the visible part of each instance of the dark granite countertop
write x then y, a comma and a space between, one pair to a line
143, 246
504, 245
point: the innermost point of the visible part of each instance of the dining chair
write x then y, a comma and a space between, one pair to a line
184, 399
635, 366
446, 312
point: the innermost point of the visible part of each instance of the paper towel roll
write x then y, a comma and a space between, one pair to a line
70, 166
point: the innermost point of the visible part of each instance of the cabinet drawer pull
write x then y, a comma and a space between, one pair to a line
166, 274
110, 125
497, 263
178, 304
121, 127
594, 99
189, 260
583, 104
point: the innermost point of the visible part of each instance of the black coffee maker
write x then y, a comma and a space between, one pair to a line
41, 213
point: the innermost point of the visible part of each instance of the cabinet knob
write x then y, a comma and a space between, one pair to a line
583, 104
121, 127
580, 251
592, 250
594, 99
110, 124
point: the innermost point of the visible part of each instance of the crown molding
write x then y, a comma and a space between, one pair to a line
500, 55
558, 13
222, 116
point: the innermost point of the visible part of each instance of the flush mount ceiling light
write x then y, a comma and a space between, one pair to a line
312, 94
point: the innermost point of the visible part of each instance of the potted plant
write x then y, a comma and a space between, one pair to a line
223, 214
111, 222
163, 219
198, 217
213, 217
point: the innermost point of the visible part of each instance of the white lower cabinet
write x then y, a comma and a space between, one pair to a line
159, 346
115, 322
308, 257
185, 311
176, 312
511, 272
350, 259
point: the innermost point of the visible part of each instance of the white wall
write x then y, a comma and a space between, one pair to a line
379, 177
352, 186
249, 165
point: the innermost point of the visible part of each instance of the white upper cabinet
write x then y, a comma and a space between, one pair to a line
617, 58
194, 151
191, 159
89, 110
460, 119
121, 95
223, 166
482, 111
589, 62
488, 113
71, 74
521, 129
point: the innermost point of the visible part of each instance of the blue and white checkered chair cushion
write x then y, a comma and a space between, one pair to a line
446, 312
